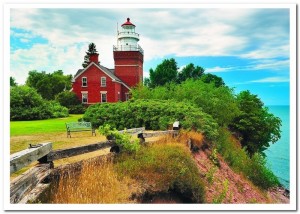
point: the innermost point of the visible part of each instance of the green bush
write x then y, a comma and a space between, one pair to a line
27, 104
254, 167
70, 100
219, 102
123, 140
57, 110
151, 114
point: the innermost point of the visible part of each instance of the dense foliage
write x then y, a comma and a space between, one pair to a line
124, 140
70, 100
164, 73
254, 167
13, 81
190, 72
27, 104
245, 114
211, 78
49, 85
255, 124
57, 110
151, 114
219, 102
168, 72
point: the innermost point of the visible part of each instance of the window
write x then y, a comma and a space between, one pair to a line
84, 82
103, 81
119, 97
126, 96
103, 97
84, 98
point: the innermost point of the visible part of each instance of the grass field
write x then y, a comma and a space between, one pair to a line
19, 128
23, 133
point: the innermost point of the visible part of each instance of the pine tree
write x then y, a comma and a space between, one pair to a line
92, 50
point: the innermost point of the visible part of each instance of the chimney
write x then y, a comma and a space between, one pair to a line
94, 58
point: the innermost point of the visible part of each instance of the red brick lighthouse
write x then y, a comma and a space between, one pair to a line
128, 55
98, 84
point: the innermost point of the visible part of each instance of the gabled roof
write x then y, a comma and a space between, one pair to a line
107, 71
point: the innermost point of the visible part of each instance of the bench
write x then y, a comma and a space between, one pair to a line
79, 127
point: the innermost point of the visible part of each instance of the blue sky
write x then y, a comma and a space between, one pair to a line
248, 47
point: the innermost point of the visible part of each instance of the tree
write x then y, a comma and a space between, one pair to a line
147, 82
34, 77
208, 78
256, 125
49, 85
13, 81
190, 72
164, 73
27, 104
69, 100
92, 50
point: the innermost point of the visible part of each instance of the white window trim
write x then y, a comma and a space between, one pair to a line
85, 82
126, 96
87, 97
119, 96
101, 93
103, 78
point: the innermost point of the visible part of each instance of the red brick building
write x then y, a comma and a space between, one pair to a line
98, 84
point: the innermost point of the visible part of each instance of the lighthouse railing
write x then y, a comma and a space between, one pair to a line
128, 34
128, 48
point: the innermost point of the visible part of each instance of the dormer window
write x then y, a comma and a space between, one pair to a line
84, 81
103, 81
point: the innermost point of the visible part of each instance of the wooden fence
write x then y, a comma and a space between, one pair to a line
30, 184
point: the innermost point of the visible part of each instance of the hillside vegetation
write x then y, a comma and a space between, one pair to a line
166, 171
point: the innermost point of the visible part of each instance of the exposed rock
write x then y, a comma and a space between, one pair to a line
226, 186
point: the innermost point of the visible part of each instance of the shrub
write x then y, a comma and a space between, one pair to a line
57, 110
70, 100
76, 109
27, 104
219, 102
151, 114
254, 167
124, 140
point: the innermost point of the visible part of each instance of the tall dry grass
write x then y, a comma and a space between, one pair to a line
95, 183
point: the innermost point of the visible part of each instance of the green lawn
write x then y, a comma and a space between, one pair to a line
23, 133
18, 128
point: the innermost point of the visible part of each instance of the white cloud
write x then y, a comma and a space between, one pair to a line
219, 69
163, 32
265, 52
271, 80
271, 64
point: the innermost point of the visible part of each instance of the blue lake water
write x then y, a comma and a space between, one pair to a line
278, 154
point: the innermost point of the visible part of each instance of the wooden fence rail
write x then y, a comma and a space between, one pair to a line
29, 185
23, 158
65, 153
22, 185
133, 131
158, 133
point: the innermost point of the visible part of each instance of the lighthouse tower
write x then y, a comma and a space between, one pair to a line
128, 55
